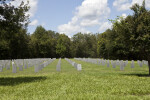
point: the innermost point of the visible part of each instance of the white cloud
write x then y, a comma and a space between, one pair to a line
123, 5
70, 29
148, 3
104, 26
124, 15
34, 22
92, 9
88, 22
32, 4
137, 1
89, 13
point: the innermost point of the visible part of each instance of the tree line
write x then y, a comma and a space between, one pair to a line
129, 38
16, 43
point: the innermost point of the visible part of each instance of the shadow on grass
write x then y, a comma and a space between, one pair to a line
137, 74
12, 81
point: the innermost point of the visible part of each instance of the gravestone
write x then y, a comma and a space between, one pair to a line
132, 64
121, 65
25, 65
36, 68
8, 66
20, 68
75, 65
58, 67
107, 63
140, 63
1, 68
42, 66
79, 68
126, 62
45, 64
29, 65
117, 62
103, 62
114, 64
100, 62
14, 67
111, 61
145, 62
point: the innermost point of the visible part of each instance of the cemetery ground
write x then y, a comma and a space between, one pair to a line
94, 82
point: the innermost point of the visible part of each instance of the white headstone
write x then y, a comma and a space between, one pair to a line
20, 68
58, 67
114, 64
121, 65
75, 65
140, 63
14, 67
25, 65
79, 68
132, 64
108, 64
8, 66
36, 68
1, 68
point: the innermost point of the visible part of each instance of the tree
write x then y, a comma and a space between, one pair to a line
43, 43
141, 31
63, 46
85, 45
133, 34
13, 24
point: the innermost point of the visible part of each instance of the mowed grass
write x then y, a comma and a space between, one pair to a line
94, 82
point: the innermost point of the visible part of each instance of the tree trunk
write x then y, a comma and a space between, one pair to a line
149, 66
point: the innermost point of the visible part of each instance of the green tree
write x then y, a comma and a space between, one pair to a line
43, 43
85, 45
13, 24
63, 46
141, 31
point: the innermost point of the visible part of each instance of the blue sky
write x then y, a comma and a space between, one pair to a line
52, 13
72, 16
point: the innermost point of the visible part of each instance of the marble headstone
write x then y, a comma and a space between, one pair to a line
132, 64
14, 67
79, 68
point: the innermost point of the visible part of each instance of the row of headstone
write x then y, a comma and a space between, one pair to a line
26, 63
90, 60
143, 62
114, 63
77, 66
58, 67
4, 64
23, 63
39, 66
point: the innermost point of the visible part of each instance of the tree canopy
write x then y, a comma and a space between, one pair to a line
129, 38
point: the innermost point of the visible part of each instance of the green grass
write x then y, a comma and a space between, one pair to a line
94, 82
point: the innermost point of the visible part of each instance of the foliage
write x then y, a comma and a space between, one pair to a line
63, 46
129, 38
13, 23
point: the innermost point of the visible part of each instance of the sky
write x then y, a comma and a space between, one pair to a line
73, 16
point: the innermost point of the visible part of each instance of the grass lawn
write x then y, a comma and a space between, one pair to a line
94, 82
